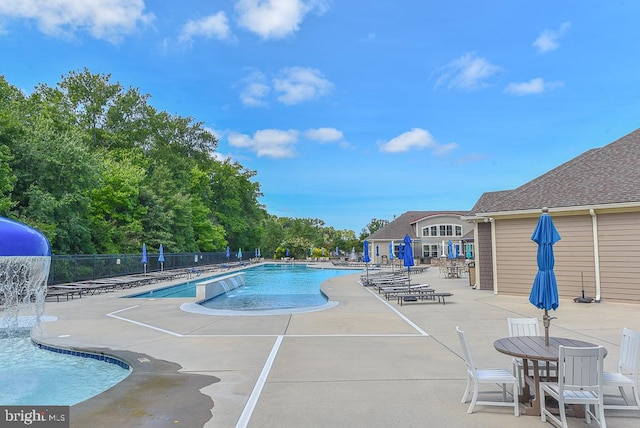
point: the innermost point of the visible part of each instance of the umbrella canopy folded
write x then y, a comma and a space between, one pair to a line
450, 250
407, 259
161, 258
544, 292
144, 254
365, 248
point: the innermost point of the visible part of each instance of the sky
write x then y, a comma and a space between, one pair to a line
350, 110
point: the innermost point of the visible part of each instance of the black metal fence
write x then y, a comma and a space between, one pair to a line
85, 267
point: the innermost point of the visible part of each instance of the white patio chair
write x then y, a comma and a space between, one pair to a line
487, 376
579, 382
526, 327
627, 374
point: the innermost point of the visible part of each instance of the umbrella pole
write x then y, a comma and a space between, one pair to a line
546, 321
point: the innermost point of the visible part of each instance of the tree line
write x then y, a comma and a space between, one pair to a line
97, 169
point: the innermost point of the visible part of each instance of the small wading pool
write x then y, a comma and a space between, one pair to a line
271, 286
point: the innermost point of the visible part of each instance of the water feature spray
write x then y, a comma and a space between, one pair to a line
25, 259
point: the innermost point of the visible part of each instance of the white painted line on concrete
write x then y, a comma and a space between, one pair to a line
407, 320
257, 389
112, 315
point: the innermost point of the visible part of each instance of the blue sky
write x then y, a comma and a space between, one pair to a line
354, 109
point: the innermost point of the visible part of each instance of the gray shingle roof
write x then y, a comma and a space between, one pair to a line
606, 175
401, 226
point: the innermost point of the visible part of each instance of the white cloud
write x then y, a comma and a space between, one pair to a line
107, 20
419, 139
210, 27
274, 143
533, 86
324, 134
468, 72
298, 84
548, 40
276, 18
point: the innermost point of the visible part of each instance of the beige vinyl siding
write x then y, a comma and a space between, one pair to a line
484, 257
574, 256
619, 242
516, 255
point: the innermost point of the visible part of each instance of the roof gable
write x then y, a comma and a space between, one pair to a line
402, 225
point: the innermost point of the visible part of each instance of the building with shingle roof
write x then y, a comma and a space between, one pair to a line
428, 230
594, 200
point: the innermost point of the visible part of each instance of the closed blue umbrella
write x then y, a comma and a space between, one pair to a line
365, 257
391, 254
365, 251
144, 258
286, 253
255, 253
161, 258
450, 251
544, 292
240, 253
259, 255
337, 251
407, 259
228, 252
468, 250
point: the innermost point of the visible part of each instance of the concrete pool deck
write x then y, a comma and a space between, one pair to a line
363, 363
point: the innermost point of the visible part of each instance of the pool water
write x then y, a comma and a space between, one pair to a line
33, 376
270, 286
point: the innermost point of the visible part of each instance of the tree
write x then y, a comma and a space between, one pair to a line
234, 201
373, 226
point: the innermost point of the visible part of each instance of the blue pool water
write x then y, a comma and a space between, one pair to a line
270, 286
33, 376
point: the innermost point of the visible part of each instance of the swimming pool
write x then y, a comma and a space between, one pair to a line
269, 286
30, 375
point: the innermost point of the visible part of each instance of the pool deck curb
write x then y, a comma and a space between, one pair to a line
365, 362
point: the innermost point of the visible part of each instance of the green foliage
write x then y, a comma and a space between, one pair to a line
96, 168
373, 226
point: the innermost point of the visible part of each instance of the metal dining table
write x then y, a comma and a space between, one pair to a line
533, 348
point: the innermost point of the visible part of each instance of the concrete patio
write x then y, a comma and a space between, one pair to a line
364, 363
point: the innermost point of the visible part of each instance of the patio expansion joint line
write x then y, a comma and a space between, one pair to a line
257, 389
172, 333
397, 312
113, 315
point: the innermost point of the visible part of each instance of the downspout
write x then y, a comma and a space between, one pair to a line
476, 255
596, 252
494, 260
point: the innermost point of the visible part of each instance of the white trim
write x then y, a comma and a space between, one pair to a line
585, 208
596, 251
494, 256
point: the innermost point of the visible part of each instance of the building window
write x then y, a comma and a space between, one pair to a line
442, 230
434, 250
446, 230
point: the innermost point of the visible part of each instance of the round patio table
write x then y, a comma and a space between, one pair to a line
533, 348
